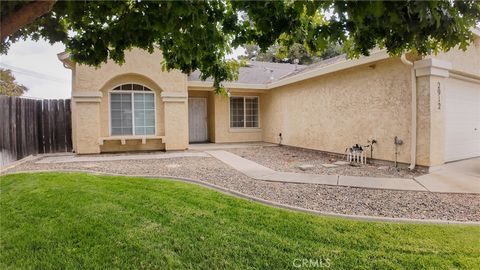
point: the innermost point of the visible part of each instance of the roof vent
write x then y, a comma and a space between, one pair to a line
271, 73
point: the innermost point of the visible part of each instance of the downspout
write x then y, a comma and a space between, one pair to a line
413, 140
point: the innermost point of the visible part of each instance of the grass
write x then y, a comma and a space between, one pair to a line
62, 221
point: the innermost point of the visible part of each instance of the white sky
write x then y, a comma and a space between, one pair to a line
35, 65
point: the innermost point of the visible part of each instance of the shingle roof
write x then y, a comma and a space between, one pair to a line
257, 72
320, 64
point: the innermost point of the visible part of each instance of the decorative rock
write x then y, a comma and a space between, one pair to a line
341, 163
384, 168
326, 165
172, 166
305, 167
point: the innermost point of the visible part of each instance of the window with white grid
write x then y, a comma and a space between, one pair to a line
132, 110
244, 112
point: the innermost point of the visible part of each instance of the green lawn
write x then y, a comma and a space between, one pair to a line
61, 220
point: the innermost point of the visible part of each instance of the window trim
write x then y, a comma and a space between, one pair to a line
131, 92
244, 128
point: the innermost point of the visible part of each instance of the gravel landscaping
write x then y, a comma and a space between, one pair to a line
288, 159
337, 199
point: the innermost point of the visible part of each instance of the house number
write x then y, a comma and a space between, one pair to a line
439, 92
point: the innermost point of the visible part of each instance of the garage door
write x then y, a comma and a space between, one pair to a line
462, 120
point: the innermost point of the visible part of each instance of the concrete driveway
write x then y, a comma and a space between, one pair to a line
458, 177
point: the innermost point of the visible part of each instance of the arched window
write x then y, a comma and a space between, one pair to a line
132, 110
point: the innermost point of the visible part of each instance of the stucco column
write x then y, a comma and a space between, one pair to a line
176, 120
431, 78
86, 122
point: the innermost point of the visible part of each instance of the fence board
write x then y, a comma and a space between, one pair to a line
60, 131
5, 154
68, 124
51, 117
39, 128
18, 125
33, 126
46, 128
13, 127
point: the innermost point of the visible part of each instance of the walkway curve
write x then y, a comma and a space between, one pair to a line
445, 182
265, 202
259, 172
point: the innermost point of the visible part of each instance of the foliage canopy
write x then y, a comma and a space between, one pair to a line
200, 34
295, 54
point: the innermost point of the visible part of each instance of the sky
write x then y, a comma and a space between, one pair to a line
35, 65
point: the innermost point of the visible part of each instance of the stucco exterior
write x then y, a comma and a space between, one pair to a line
329, 108
344, 108
90, 110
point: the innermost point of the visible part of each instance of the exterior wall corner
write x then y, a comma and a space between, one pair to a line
176, 120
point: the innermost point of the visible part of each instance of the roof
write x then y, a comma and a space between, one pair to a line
256, 77
257, 72
263, 74
317, 65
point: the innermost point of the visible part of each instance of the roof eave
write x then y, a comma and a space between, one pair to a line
64, 57
376, 56
205, 84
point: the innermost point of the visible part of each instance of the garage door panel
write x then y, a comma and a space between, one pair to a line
462, 120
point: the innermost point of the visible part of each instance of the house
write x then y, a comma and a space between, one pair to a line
431, 104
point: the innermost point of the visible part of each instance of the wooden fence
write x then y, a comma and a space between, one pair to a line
29, 126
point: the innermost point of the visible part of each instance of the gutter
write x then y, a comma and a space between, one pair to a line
413, 143
64, 57
346, 64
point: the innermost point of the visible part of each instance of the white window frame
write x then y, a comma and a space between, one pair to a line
131, 92
244, 111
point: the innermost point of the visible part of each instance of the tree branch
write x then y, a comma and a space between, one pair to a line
24, 16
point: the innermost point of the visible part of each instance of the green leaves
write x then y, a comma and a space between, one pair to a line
8, 85
200, 34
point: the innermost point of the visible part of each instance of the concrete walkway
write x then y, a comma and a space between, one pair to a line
259, 172
461, 176
90, 158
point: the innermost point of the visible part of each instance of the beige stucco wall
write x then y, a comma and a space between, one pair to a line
430, 121
176, 125
139, 67
328, 113
465, 65
137, 61
335, 111
218, 111
86, 126
223, 132
463, 61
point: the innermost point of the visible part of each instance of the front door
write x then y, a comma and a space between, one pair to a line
197, 120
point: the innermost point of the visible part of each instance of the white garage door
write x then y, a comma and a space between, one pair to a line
462, 120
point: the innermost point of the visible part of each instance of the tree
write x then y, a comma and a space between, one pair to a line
295, 54
8, 85
253, 52
200, 34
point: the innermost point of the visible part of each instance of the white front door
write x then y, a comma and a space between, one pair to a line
197, 119
462, 120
